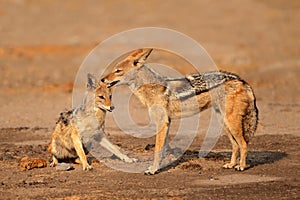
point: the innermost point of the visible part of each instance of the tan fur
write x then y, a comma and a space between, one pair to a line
66, 140
231, 97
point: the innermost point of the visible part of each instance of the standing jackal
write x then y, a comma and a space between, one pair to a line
89, 118
231, 98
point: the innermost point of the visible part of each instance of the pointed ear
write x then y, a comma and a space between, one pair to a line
140, 56
91, 82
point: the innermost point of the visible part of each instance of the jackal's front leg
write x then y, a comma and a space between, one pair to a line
80, 152
163, 124
115, 150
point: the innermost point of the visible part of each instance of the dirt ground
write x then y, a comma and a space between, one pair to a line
43, 44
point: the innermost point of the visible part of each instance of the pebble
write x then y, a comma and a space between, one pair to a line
64, 167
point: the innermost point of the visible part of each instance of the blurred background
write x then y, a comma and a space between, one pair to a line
43, 43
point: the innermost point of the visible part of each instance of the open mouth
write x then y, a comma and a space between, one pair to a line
109, 109
113, 83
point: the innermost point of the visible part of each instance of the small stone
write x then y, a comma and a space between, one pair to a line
64, 167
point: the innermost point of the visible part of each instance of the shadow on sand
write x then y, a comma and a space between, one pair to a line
254, 158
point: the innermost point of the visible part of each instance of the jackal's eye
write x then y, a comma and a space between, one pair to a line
118, 70
110, 97
135, 62
101, 97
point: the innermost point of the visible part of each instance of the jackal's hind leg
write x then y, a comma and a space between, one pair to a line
243, 154
78, 161
235, 150
235, 135
234, 144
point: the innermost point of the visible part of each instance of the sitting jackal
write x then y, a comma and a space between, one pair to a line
86, 120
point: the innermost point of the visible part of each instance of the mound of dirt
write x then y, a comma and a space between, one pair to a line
27, 163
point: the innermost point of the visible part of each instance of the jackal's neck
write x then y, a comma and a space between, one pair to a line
100, 115
143, 76
88, 109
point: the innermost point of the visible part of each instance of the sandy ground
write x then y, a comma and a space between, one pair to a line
43, 43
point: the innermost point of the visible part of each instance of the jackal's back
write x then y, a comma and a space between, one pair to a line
206, 81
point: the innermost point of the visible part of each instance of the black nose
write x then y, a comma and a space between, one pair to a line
103, 80
112, 107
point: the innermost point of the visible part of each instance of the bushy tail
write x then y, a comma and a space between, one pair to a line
250, 120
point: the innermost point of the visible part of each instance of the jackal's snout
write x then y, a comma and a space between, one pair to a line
113, 83
109, 82
111, 108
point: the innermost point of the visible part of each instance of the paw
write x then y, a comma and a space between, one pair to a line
52, 164
151, 171
78, 161
87, 167
229, 165
241, 168
130, 160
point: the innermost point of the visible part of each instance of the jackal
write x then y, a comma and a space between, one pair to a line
230, 96
88, 119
